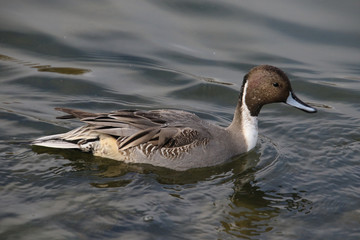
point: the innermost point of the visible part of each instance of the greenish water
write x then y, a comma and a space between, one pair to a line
301, 182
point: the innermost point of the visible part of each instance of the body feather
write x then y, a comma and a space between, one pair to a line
166, 131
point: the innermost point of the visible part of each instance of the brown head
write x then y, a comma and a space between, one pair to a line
266, 84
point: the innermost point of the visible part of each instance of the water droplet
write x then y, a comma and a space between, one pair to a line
148, 218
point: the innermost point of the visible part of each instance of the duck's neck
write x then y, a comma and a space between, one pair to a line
244, 125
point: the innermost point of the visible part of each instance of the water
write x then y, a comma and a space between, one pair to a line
301, 182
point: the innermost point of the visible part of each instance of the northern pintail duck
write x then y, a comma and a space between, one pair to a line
177, 139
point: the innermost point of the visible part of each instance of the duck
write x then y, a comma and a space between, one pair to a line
177, 139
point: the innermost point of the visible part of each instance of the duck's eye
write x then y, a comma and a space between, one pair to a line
275, 84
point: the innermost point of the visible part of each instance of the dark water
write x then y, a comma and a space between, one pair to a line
301, 182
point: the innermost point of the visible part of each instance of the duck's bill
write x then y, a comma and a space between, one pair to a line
294, 101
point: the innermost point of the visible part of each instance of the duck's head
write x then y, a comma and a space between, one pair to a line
266, 84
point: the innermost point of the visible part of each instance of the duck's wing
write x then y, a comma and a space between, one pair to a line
161, 128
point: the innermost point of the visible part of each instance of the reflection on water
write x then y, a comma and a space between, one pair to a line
46, 68
62, 70
250, 212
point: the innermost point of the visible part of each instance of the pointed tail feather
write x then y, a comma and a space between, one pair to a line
73, 113
54, 141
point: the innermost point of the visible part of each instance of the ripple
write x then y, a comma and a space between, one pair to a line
49, 46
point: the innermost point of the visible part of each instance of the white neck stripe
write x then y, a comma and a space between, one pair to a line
249, 124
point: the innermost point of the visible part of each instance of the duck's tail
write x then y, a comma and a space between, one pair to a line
79, 138
55, 141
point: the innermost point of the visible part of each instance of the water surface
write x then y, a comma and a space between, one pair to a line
301, 182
